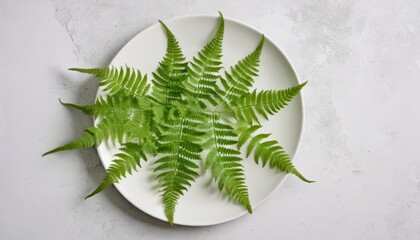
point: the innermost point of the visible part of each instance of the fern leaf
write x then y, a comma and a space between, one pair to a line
87, 140
116, 130
203, 70
272, 153
226, 164
113, 104
87, 109
264, 103
171, 72
241, 76
125, 161
180, 147
126, 80
109, 128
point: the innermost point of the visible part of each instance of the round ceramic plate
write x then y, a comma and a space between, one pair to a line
203, 204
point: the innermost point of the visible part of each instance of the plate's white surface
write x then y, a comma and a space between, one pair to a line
203, 204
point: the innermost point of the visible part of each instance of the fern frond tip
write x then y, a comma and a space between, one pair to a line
92, 71
220, 14
99, 189
222, 19
261, 44
303, 84
71, 105
90, 195
53, 151
170, 217
171, 222
75, 69
163, 25
249, 208
58, 149
301, 177
48, 153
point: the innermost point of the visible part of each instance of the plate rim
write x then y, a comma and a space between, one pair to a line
299, 138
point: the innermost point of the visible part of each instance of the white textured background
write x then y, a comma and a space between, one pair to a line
362, 131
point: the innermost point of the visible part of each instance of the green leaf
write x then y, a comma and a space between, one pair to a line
272, 153
126, 80
263, 103
115, 105
109, 128
180, 149
171, 72
226, 164
87, 140
203, 70
241, 77
126, 161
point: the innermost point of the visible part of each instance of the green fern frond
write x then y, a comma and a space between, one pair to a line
171, 72
87, 109
113, 104
109, 128
125, 79
125, 161
264, 103
226, 164
272, 153
203, 70
117, 130
240, 80
87, 140
180, 147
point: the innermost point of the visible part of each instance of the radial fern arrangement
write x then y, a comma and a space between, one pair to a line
187, 111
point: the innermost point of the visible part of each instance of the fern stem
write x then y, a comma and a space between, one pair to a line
227, 94
172, 179
258, 104
214, 132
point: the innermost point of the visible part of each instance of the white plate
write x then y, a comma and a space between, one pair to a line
203, 204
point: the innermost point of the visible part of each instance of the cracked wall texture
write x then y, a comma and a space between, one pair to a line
362, 60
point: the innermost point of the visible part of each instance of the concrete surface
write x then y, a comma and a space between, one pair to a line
361, 138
